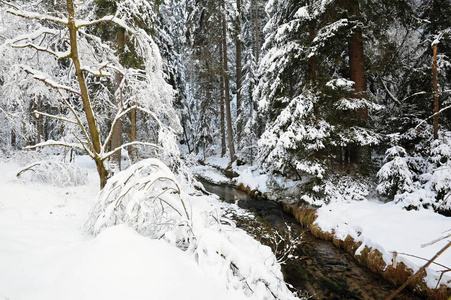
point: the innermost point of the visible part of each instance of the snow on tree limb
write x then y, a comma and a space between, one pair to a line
81, 126
123, 146
98, 72
54, 117
121, 112
37, 16
45, 78
113, 19
56, 143
32, 35
58, 55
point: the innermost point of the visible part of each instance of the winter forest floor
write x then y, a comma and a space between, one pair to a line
399, 235
44, 255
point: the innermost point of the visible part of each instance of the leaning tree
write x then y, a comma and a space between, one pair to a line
88, 64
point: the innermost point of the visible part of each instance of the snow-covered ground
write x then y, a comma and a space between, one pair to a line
387, 227
44, 255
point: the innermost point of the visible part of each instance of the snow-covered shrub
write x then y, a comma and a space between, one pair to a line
146, 197
432, 189
439, 180
395, 175
238, 260
340, 188
55, 173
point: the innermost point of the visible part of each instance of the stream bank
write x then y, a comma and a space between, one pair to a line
372, 259
319, 268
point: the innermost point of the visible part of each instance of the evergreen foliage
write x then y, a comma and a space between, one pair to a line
324, 86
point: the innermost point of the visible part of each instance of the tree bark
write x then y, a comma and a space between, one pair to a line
132, 151
435, 87
222, 112
95, 143
116, 139
357, 69
226, 86
238, 74
360, 155
39, 123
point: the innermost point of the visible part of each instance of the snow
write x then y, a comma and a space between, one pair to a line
253, 179
44, 254
388, 227
210, 174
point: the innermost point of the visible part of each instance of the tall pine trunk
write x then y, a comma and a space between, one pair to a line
226, 86
222, 111
238, 74
358, 154
435, 87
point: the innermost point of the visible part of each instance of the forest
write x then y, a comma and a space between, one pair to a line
311, 103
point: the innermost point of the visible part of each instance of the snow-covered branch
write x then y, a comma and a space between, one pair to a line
121, 112
9, 4
433, 115
98, 72
390, 93
58, 55
54, 117
32, 35
123, 146
56, 143
82, 127
113, 19
41, 76
36, 16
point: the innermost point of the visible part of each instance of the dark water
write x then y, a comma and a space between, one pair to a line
321, 269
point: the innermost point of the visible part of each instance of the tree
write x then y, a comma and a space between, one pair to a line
238, 59
87, 80
318, 75
230, 137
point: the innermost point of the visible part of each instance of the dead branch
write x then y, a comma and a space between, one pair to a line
55, 117
408, 281
55, 143
36, 16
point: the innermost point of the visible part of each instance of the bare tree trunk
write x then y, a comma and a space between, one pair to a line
13, 138
226, 86
238, 74
435, 86
222, 112
93, 130
39, 125
132, 151
257, 58
361, 154
116, 139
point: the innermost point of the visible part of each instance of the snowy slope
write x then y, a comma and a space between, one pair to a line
43, 254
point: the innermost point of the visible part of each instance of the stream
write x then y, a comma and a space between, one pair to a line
320, 269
